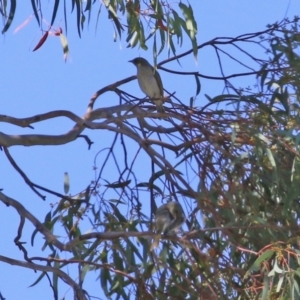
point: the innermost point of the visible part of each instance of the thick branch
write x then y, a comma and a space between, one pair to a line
78, 292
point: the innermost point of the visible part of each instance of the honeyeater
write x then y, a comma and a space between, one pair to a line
168, 217
150, 82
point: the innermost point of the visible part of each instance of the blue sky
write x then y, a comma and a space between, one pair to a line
38, 82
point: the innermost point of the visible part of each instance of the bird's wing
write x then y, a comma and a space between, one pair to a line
159, 81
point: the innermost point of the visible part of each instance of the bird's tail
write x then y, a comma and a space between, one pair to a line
159, 106
155, 242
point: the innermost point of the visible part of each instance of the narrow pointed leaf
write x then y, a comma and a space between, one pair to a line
35, 11
41, 41
54, 11
64, 43
13, 5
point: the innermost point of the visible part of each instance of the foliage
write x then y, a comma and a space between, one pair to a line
236, 172
162, 22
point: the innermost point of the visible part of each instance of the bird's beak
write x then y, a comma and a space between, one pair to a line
130, 61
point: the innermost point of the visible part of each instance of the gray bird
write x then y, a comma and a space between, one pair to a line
150, 82
168, 218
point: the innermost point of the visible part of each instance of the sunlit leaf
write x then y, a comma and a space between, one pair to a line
190, 26
279, 284
265, 256
271, 157
64, 43
84, 270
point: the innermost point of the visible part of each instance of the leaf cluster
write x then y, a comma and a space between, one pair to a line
144, 20
233, 164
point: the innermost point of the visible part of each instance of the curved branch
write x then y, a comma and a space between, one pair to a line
225, 41
78, 292
23, 212
23, 175
25, 122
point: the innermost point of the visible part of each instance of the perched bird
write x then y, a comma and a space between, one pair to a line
168, 217
150, 82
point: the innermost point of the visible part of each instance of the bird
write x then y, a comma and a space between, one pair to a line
168, 217
150, 82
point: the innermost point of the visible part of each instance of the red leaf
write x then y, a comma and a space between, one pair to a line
161, 25
42, 41
58, 32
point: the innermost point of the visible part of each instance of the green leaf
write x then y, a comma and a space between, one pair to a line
35, 11
157, 7
130, 255
190, 26
118, 261
263, 73
88, 5
33, 236
66, 183
192, 100
172, 47
208, 98
104, 279
65, 16
276, 268
225, 97
119, 184
177, 27
149, 186
154, 50
279, 284
87, 194
162, 41
198, 84
113, 15
263, 138
55, 277
78, 14
265, 291
271, 158
48, 218
265, 256
296, 287
117, 213
141, 36
82, 20
38, 279
83, 272
148, 270
54, 11
162, 281
13, 5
